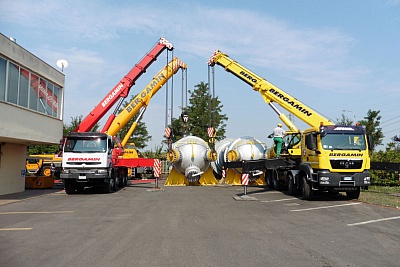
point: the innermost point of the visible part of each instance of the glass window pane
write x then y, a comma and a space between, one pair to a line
23, 87
13, 77
57, 104
48, 93
42, 99
34, 92
3, 68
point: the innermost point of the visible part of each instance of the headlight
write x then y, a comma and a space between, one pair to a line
367, 180
102, 171
324, 180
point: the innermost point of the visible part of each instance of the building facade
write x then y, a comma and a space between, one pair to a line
31, 110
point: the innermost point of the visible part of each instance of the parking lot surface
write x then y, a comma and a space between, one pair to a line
194, 226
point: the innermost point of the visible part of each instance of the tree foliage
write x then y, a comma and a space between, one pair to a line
391, 154
344, 120
75, 121
372, 123
203, 111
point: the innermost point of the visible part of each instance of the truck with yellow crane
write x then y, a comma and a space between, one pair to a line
324, 157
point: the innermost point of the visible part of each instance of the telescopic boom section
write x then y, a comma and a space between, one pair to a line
268, 91
121, 90
143, 98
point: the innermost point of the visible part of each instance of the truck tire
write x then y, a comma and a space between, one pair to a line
292, 187
277, 184
109, 187
69, 187
353, 194
117, 181
268, 179
125, 178
306, 192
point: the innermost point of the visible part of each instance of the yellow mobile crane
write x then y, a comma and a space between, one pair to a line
139, 104
325, 157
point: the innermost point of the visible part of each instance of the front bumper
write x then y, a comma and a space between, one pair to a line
83, 175
343, 181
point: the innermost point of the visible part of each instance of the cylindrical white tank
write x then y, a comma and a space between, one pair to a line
232, 150
190, 157
220, 148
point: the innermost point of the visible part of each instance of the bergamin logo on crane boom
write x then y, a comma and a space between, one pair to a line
144, 93
290, 102
112, 95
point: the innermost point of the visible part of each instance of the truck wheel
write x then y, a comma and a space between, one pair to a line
116, 183
268, 179
125, 178
277, 185
292, 188
69, 187
306, 192
353, 194
109, 187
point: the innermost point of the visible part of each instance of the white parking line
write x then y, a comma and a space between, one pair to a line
374, 221
15, 229
328, 207
267, 192
35, 212
278, 200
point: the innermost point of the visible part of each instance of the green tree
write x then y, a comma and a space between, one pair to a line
42, 149
371, 123
203, 111
344, 120
396, 143
75, 121
391, 154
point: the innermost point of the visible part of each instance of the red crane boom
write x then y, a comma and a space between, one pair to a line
121, 90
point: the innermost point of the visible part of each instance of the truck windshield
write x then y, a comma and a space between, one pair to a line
85, 145
343, 141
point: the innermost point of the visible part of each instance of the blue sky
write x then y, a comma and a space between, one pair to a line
331, 55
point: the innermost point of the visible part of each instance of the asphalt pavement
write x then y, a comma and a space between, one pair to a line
141, 225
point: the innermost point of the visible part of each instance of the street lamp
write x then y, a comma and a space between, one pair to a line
354, 115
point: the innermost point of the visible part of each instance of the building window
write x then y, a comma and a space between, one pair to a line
33, 94
24, 88
12, 88
3, 70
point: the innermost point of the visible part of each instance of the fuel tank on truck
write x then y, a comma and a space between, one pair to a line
236, 150
190, 158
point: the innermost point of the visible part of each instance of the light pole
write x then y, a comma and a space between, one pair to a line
354, 115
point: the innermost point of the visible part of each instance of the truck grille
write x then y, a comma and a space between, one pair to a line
346, 164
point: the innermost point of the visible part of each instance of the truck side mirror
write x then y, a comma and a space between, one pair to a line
370, 142
310, 142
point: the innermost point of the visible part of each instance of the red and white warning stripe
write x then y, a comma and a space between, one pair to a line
210, 131
167, 132
157, 168
223, 173
245, 179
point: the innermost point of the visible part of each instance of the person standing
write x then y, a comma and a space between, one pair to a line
278, 135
